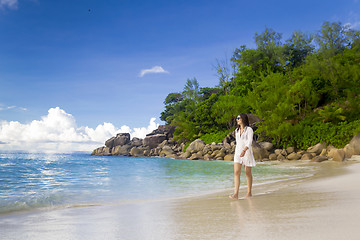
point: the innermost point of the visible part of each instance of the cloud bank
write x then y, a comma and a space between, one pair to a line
156, 69
12, 4
57, 132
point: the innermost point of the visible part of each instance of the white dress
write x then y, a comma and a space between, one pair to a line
244, 140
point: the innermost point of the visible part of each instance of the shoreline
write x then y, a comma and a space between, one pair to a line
315, 207
311, 169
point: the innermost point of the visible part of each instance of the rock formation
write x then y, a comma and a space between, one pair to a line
160, 143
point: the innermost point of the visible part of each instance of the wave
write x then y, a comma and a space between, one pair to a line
32, 203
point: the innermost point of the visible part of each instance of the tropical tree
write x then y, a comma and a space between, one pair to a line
334, 37
192, 90
305, 90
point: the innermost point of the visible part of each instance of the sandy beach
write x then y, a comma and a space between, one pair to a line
325, 206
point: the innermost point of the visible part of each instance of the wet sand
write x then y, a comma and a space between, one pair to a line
326, 206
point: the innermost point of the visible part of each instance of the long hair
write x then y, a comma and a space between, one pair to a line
244, 119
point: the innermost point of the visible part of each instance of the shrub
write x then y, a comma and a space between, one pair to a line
307, 134
217, 137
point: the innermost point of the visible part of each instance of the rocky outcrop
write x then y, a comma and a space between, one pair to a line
316, 149
121, 145
319, 159
120, 140
102, 151
154, 140
229, 157
267, 146
337, 154
316, 153
160, 143
136, 141
168, 130
259, 152
110, 142
121, 150
294, 156
136, 152
306, 156
196, 146
163, 132
272, 157
353, 148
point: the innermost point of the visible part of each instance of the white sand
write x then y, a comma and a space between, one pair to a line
323, 207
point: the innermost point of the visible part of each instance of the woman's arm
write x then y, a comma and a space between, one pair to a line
250, 134
248, 143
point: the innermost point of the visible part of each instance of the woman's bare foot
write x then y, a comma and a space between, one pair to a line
248, 195
233, 196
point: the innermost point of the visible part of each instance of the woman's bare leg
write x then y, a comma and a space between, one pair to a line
237, 172
249, 179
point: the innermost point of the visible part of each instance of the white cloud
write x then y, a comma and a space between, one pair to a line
12, 4
353, 25
3, 108
141, 132
57, 132
156, 69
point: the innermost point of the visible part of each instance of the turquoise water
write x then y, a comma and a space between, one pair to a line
36, 181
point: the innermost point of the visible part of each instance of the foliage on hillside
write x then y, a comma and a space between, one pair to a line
306, 89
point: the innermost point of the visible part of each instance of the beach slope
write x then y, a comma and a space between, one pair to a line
326, 206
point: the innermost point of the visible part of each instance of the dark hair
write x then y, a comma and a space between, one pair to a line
244, 119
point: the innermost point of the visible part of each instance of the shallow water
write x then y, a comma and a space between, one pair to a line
36, 181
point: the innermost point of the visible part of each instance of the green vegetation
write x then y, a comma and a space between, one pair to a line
306, 89
214, 137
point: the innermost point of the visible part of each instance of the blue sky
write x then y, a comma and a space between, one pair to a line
86, 57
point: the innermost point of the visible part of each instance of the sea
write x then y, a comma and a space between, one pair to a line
39, 181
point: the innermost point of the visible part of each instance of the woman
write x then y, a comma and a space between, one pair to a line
243, 154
